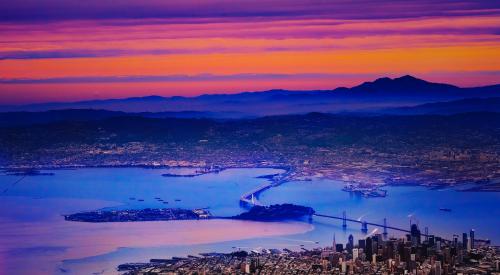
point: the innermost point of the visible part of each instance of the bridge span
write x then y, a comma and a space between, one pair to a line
364, 224
250, 197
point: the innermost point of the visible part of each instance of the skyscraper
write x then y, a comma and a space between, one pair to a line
334, 244
465, 241
415, 234
350, 245
361, 244
369, 248
472, 238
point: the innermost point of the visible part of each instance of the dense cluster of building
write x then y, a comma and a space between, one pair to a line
416, 254
360, 150
359, 165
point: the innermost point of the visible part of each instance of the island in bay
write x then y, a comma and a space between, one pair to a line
276, 212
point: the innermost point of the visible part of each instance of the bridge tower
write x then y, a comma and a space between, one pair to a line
364, 227
385, 226
344, 220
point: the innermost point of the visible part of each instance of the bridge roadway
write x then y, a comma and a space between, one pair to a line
247, 198
250, 196
361, 222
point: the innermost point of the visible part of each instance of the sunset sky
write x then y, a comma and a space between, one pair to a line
68, 50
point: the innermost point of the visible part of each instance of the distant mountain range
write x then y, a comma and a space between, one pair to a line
380, 94
10, 119
467, 105
15, 119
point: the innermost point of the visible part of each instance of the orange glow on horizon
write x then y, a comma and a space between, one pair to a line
418, 60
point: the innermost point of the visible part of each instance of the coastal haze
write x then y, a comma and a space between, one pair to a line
249, 137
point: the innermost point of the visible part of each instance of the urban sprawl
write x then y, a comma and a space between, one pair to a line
417, 253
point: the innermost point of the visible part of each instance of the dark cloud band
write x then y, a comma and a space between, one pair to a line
49, 10
169, 78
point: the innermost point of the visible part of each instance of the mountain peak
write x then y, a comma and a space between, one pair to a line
405, 78
408, 77
403, 84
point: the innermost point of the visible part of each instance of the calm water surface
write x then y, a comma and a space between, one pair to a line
35, 239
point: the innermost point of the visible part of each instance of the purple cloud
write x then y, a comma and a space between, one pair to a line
49, 10
169, 78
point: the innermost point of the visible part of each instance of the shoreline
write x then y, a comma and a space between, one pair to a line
475, 186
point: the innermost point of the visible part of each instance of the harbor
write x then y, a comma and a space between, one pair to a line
366, 191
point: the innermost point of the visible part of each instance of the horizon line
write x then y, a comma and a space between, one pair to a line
185, 77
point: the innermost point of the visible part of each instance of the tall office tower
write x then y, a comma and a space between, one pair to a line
455, 241
390, 249
471, 236
465, 241
369, 248
334, 244
362, 244
432, 240
350, 245
415, 234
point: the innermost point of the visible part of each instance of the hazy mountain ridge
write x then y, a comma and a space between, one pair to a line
381, 93
467, 105
20, 119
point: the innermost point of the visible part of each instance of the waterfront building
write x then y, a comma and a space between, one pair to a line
379, 256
